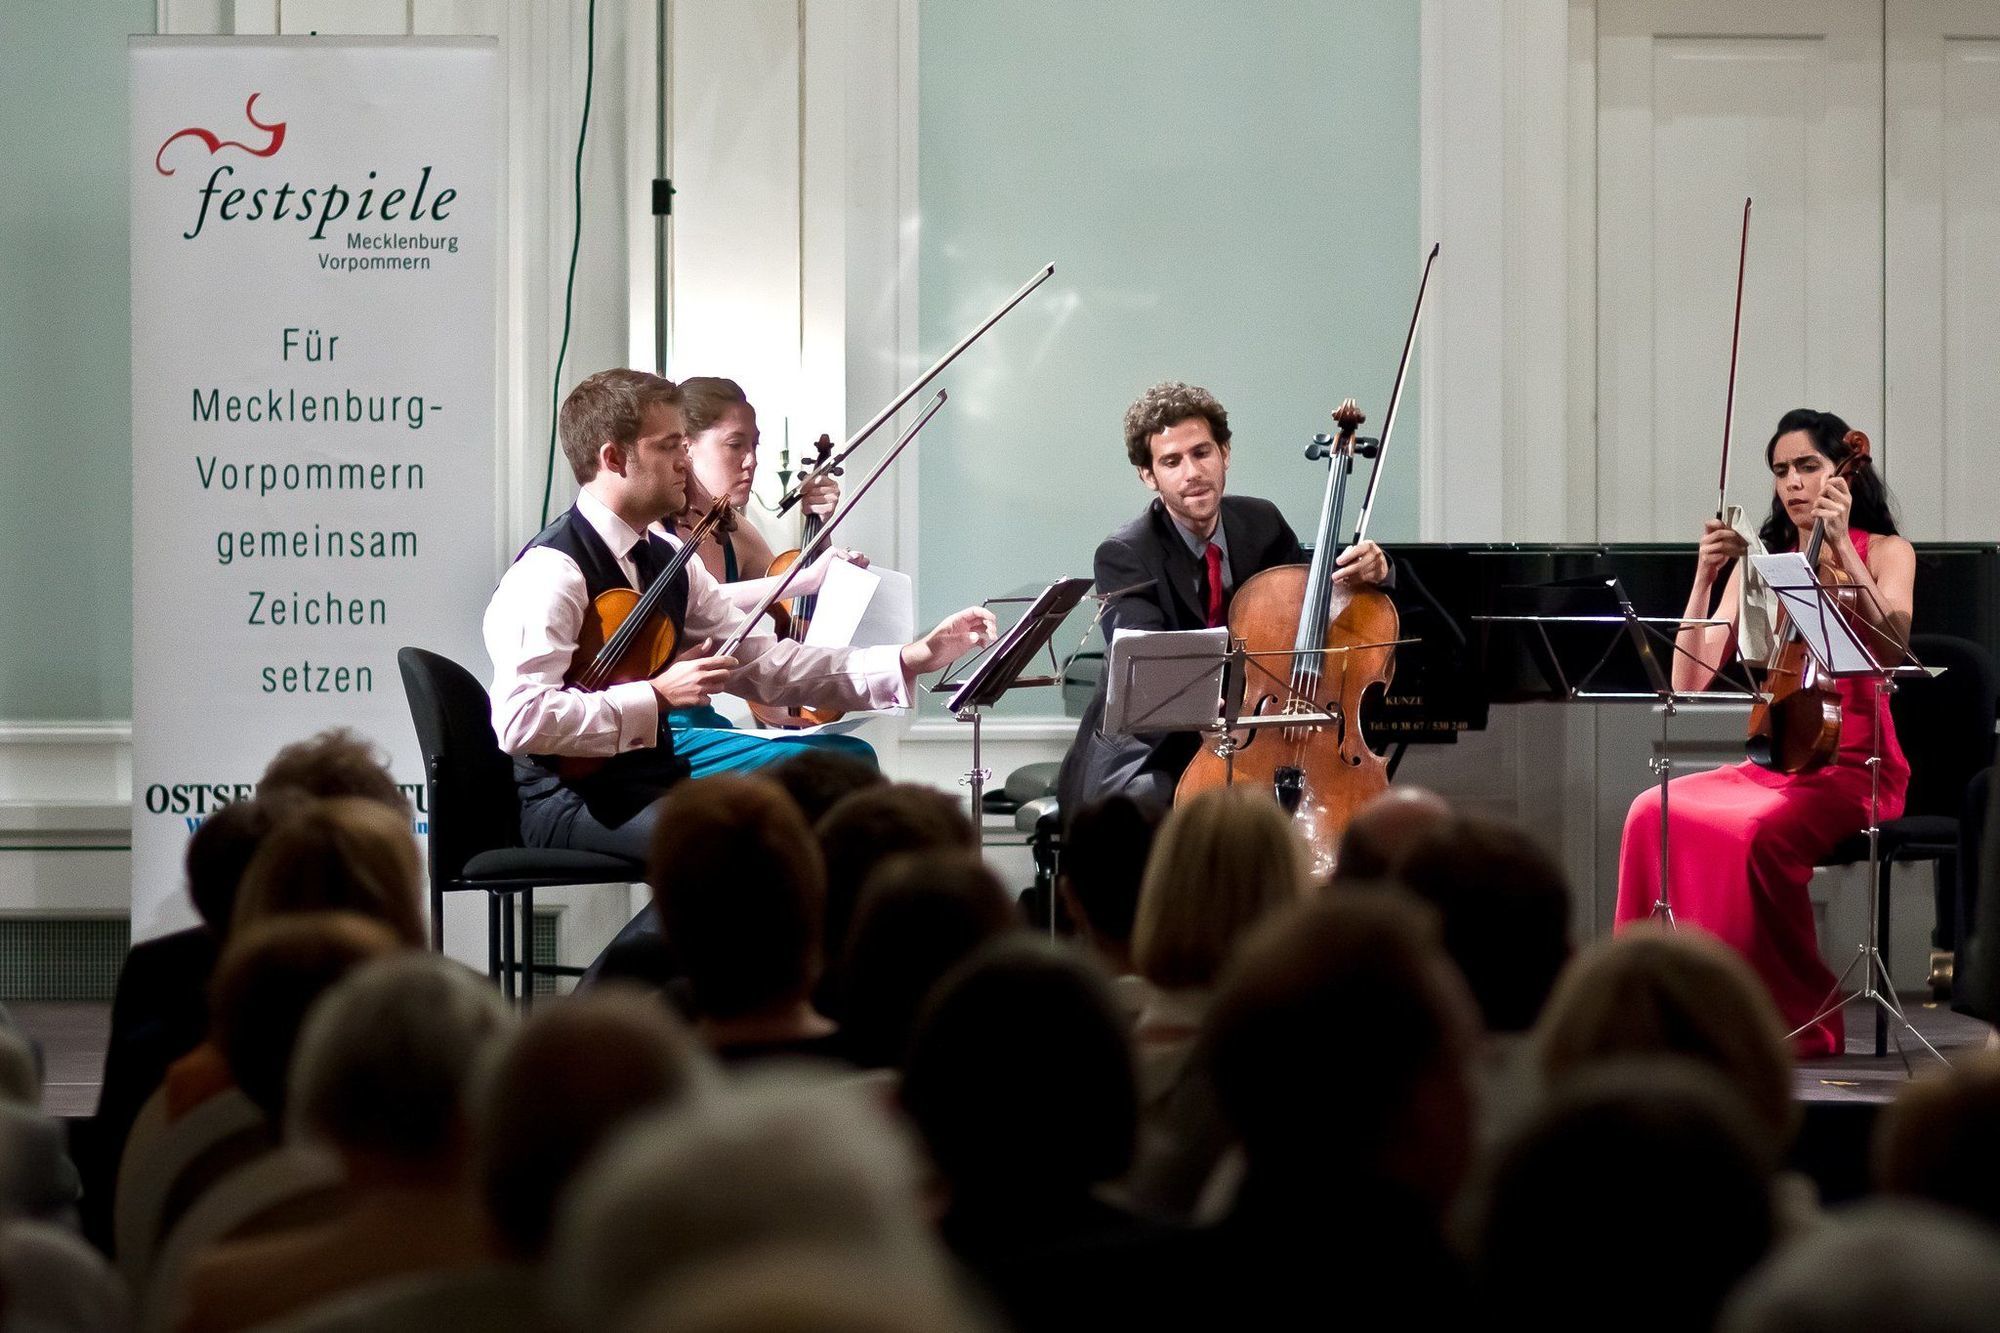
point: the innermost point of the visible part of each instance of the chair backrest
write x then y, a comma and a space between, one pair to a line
156, 1153
1946, 724
474, 804
285, 1187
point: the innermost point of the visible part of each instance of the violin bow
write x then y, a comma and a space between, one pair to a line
792, 497
1395, 397
1735, 340
833, 521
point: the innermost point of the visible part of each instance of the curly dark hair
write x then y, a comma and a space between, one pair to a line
1871, 512
1164, 405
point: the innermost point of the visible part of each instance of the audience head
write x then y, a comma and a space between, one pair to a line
336, 762
1629, 1163
740, 889
817, 779
1363, 971
383, 1073
1504, 904
340, 854
920, 915
1386, 830
572, 1076
1941, 1139
871, 825
269, 977
1221, 863
765, 1162
1016, 1030
1883, 1264
1104, 858
218, 852
1657, 992
806, 1290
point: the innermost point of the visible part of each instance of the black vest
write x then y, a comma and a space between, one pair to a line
628, 782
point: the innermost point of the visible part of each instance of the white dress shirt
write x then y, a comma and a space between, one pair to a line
531, 635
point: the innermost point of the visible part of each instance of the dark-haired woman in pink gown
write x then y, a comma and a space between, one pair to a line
1743, 839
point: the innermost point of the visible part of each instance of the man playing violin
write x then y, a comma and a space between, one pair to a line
622, 433
1182, 559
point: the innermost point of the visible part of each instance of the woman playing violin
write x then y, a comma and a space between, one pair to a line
1744, 839
722, 436
722, 460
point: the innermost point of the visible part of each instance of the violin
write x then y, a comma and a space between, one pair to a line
1319, 772
626, 636
1795, 723
793, 616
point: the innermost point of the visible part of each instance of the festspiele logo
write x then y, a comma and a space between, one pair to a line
222, 200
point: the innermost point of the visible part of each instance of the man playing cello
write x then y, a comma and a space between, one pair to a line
1183, 558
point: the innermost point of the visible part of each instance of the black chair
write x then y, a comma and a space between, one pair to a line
475, 821
1945, 725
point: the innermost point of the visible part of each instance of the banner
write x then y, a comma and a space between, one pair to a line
313, 315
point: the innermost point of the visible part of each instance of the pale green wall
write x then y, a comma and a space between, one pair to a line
65, 351
1229, 195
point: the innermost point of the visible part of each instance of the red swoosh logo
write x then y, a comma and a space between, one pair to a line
216, 145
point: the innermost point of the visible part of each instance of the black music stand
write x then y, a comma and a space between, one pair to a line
1839, 651
999, 669
1642, 634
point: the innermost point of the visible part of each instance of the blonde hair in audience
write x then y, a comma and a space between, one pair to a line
1219, 865
1652, 992
341, 854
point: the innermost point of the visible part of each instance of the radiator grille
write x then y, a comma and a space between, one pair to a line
61, 958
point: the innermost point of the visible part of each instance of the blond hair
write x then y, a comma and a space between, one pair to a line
1649, 992
1220, 864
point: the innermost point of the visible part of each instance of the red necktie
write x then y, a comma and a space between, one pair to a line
1214, 555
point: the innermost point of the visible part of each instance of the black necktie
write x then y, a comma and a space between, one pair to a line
645, 563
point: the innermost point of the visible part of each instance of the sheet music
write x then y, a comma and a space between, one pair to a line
1164, 680
862, 607
1829, 637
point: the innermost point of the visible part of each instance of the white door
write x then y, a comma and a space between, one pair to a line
1943, 266
1700, 103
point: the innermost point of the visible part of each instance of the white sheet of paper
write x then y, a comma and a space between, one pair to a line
842, 601
862, 608
851, 722
1827, 630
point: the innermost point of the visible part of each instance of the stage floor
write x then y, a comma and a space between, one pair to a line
73, 1038
1859, 1076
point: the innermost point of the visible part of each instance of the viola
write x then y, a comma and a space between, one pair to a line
627, 636
1321, 773
1795, 723
793, 616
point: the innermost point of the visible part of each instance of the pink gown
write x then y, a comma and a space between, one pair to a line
1744, 841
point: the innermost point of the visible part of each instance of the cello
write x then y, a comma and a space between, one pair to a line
1795, 724
1339, 642
1338, 646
